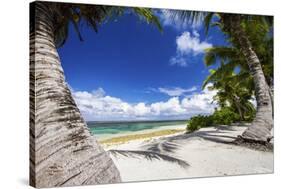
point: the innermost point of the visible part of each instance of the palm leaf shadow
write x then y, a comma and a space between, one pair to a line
149, 156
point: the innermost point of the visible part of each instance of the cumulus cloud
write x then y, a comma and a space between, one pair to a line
188, 44
169, 18
96, 105
201, 102
176, 91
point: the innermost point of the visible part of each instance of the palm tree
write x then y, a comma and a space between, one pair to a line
232, 78
260, 129
234, 24
233, 90
62, 150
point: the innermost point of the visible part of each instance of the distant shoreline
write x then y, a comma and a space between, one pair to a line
138, 121
143, 135
108, 130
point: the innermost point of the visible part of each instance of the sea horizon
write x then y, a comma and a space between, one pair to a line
110, 129
135, 121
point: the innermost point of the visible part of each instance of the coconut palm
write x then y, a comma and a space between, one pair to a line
62, 150
233, 73
234, 61
233, 90
234, 24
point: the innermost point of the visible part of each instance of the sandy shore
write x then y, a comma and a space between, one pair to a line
206, 152
140, 136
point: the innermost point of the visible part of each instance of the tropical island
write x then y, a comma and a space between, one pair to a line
154, 94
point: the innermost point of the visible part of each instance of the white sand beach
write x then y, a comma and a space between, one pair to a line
206, 152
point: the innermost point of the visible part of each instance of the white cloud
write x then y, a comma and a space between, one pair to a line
141, 109
188, 43
176, 91
195, 33
178, 60
169, 18
96, 105
171, 107
99, 92
201, 102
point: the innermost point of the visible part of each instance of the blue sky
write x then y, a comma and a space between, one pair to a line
129, 70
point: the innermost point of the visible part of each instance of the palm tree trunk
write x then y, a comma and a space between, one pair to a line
260, 129
240, 112
63, 152
237, 104
270, 90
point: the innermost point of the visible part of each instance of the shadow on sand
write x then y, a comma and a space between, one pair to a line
221, 134
164, 148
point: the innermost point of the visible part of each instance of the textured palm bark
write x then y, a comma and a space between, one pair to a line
63, 152
260, 129
241, 115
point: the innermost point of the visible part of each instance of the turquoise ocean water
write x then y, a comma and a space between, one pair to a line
110, 129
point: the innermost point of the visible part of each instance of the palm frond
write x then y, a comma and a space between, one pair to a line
76, 29
187, 17
148, 15
224, 73
91, 15
220, 52
207, 21
94, 15
61, 34
213, 24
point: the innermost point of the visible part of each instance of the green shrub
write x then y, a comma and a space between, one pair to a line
225, 116
199, 121
249, 115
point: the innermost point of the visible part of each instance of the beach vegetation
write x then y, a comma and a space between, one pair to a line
222, 116
246, 32
225, 116
199, 121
